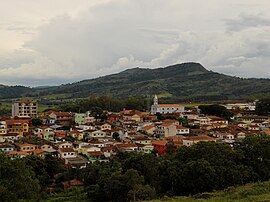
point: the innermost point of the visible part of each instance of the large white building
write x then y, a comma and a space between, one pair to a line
25, 107
165, 108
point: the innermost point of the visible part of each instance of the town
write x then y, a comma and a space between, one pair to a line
78, 139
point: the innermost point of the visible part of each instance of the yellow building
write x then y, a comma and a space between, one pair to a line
17, 126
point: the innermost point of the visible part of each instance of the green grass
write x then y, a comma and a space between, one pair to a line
5, 105
251, 192
42, 107
194, 104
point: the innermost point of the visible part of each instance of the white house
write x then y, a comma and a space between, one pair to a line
181, 130
165, 108
67, 153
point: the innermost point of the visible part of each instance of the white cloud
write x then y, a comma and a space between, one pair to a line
101, 38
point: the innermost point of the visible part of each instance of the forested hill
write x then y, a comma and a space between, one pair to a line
14, 91
181, 82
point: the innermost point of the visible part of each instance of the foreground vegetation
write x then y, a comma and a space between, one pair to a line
259, 191
204, 167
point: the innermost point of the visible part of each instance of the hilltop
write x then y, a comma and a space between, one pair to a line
180, 82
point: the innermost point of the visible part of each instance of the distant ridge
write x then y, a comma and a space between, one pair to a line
180, 82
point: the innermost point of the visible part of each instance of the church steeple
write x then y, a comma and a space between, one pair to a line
155, 100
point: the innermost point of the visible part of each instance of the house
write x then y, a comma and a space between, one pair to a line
84, 149
46, 147
145, 148
160, 146
97, 134
126, 147
79, 118
6, 147
165, 130
95, 155
141, 140
216, 119
65, 145
260, 123
132, 117
202, 120
61, 118
149, 129
76, 162
96, 143
103, 126
171, 121
67, 153
181, 130
76, 134
165, 108
189, 141
17, 126
242, 124
149, 118
109, 150
18, 154
27, 147
49, 136
113, 118
3, 127
40, 152
11, 137
249, 119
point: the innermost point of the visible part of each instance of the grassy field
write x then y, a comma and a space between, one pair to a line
251, 192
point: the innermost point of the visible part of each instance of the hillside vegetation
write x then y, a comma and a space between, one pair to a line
181, 82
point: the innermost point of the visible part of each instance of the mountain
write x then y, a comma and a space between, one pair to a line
181, 82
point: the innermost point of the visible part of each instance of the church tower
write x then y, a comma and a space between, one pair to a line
154, 105
156, 100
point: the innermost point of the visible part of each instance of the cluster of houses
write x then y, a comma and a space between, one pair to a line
80, 138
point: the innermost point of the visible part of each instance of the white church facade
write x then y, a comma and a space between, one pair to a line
165, 108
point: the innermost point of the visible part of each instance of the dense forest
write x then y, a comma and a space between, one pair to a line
203, 167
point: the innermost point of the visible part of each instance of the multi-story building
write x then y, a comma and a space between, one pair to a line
25, 107
17, 126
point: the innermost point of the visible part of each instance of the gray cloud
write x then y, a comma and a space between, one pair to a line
246, 21
110, 37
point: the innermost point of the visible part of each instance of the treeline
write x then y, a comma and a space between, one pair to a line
203, 167
105, 103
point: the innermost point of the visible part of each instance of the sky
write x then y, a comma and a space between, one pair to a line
54, 42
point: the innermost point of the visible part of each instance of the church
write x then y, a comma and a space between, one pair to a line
165, 108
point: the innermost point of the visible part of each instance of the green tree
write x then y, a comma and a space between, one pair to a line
17, 180
216, 110
263, 106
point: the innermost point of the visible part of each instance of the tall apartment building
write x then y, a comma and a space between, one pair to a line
25, 107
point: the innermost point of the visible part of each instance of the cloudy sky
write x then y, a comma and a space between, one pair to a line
49, 42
